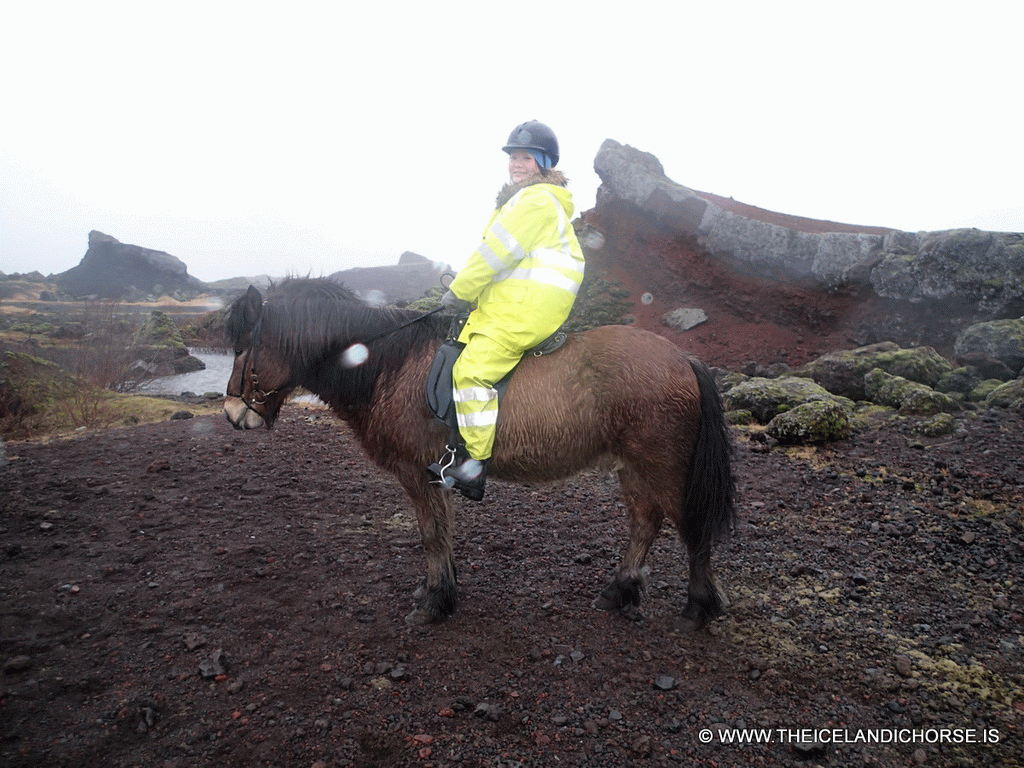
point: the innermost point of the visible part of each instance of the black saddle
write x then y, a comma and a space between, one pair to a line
440, 398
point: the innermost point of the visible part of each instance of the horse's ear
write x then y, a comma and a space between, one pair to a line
252, 305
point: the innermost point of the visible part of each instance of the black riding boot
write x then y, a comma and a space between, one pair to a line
456, 469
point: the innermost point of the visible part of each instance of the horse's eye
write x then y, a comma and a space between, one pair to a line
238, 352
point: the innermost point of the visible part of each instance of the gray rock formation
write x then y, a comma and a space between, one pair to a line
966, 266
412, 277
111, 269
981, 272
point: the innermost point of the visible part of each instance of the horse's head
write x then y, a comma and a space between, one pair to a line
260, 379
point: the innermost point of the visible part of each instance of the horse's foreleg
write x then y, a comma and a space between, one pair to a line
437, 596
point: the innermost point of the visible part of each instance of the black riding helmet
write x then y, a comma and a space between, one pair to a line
532, 135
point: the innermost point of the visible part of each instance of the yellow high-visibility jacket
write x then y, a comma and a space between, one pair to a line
528, 268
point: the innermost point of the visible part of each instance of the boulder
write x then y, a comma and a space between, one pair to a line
820, 421
161, 350
1008, 395
936, 426
983, 389
114, 270
842, 372
994, 348
910, 397
959, 381
767, 398
684, 318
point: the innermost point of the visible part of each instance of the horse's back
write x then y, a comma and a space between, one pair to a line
605, 389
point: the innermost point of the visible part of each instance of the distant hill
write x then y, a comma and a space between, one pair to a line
111, 269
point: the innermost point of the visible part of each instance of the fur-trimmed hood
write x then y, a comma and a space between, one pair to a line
509, 190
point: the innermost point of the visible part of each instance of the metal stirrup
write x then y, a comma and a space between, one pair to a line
445, 463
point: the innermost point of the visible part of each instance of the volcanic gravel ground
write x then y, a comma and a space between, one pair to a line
182, 594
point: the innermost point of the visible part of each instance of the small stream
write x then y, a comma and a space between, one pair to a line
214, 378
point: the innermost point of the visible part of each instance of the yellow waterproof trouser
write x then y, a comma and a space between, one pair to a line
483, 362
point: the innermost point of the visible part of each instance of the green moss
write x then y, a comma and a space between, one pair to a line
936, 426
820, 421
739, 417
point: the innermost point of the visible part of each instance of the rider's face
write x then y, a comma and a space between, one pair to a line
521, 165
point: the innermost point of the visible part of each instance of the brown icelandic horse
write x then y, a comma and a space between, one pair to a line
614, 396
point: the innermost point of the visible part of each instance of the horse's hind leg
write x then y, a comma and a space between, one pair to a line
437, 596
646, 515
705, 599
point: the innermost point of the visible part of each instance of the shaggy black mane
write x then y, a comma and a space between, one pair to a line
310, 322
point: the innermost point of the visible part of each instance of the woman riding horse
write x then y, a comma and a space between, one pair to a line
524, 277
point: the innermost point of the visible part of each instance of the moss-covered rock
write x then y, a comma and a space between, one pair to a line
1008, 395
936, 426
961, 380
867, 415
726, 380
910, 397
739, 418
161, 348
842, 372
600, 301
821, 421
767, 398
983, 389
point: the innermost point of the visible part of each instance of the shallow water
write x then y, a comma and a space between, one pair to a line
213, 378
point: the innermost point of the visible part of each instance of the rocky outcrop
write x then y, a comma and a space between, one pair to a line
968, 273
796, 250
406, 281
111, 269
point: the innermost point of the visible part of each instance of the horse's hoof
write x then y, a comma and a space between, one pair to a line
631, 611
688, 625
421, 617
604, 603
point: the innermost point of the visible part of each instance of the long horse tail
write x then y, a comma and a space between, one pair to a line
708, 511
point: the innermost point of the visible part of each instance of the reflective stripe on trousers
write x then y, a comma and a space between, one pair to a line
482, 363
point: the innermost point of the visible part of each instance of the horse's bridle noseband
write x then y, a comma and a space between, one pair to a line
258, 396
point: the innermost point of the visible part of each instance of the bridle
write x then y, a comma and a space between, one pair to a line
257, 395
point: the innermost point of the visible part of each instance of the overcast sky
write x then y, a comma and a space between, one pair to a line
307, 137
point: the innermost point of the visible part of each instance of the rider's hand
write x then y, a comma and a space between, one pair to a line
454, 303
